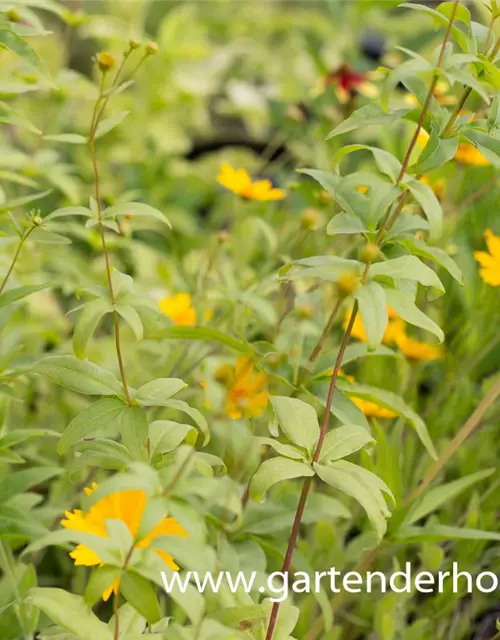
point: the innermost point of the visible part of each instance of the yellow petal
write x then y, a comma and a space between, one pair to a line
84, 556
113, 588
493, 243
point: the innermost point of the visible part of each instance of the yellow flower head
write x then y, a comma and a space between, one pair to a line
239, 182
396, 333
127, 506
245, 395
372, 410
490, 262
179, 309
438, 186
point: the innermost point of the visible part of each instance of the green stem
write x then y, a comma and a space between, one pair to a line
20, 244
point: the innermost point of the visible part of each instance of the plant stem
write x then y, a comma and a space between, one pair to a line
308, 482
116, 599
389, 219
465, 431
324, 335
95, 121
20, 244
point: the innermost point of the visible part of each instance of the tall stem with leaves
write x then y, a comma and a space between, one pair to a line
387, 222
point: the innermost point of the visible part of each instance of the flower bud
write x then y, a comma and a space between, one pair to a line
305, 311
106, 61
310, 219
369, 253
134, 44
13, 15
151, 48
37, 221
324, 197
223, 374
223, 237
347, 284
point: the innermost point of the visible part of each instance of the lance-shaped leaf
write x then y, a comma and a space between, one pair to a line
343, 441
100, 419
12, 295
393, 402
158, 392
298, 421
439, 256
110, 123
373, 312
404, 307
135, 210
369, 115
407, 268
362, 485
134, 429
276, 470
426, 198
88, 321
82, 377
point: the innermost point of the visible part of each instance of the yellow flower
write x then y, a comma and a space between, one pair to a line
245, 395
466, 153
490, 262
127, 506
438, 186
179, 309
239, 182
372, 410
396, 333
417, 350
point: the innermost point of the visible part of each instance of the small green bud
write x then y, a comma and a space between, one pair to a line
347, 284
369, 253
310, 219
151, 48
106, 61
134, 44
37, 221
13, 15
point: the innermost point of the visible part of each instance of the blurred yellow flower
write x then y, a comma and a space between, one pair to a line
127, 506
466, 153
245, 395
396, 333
372, 410
438, 186
239, 182
179, 309
490, 262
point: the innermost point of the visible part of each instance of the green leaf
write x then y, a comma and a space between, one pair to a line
488, 145
194, 414
110, 123
166, 435
345, 223
21, 202
273, 471
204, 333
460, 37
87, 323
158, 392
18, 482
16, 436
408, 268
68, 211
7, 297
234, 616
437, 152
441, 532
420, 248
370, 114
136, 210
99, 419
373, 312
438, 496
132, 318
404, 307
343, 441
140, 594
393, 402
283, 449
42, 236
387, 164
19, 47
426, 198
298, 421
362, 485
100, 580
103, 453
70, 612
134, 429
70, 138
82, 377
